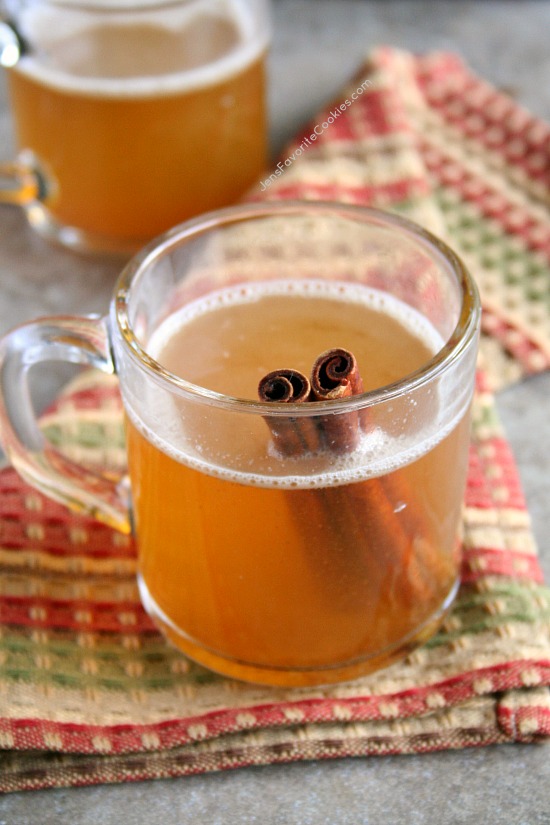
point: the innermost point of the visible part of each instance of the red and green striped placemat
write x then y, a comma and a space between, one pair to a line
91, 693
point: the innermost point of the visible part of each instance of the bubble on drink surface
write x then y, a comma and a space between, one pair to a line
409, 318
377, 453
366, 462
152, 49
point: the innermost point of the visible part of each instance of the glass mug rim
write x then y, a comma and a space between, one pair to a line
107, 5
463, 334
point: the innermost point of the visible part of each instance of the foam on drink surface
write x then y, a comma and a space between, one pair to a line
157, 50
368, 459
411, 320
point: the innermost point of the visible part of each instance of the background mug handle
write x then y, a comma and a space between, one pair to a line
78, 341
21, 181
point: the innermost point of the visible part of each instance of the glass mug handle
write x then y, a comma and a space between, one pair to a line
21, 182
78, 341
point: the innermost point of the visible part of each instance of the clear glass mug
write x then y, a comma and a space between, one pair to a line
281, 566
132, 117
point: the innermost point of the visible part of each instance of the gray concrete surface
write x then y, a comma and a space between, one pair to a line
317, 45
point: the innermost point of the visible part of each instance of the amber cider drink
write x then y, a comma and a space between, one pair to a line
324, 566
139, 121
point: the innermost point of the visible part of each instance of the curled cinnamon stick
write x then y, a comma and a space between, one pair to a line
335, 375
292, 435
365, 511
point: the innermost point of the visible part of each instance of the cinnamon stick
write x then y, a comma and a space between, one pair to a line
335, 375
363, 508
292, 435
364, 511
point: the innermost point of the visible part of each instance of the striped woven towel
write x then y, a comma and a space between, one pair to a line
90, 692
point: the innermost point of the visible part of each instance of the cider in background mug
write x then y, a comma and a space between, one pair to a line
286, 567
132, 117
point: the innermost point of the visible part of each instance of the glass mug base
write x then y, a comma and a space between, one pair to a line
78, 240
295, 676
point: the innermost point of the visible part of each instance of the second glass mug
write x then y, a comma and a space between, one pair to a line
132, 117
282, 567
